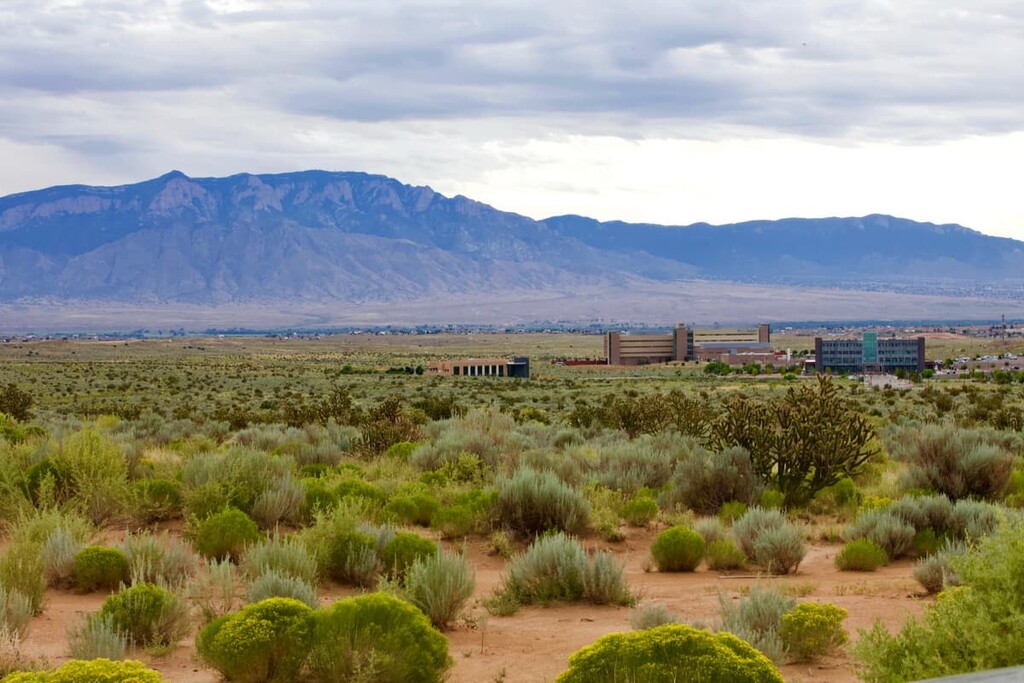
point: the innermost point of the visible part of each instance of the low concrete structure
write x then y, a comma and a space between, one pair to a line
518, 367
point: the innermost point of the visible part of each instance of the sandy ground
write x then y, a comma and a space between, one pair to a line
533, 645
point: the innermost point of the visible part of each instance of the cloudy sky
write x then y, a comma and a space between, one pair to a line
671, 111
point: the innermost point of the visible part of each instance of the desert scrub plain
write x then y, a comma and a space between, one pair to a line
255, 509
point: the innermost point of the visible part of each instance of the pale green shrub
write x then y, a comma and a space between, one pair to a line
651, 615
276, 584
531, 502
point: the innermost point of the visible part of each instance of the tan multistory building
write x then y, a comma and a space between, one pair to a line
685, 343
518, 367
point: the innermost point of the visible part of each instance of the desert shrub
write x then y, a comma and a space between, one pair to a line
981, 618
706, 481
861, 555
319, 497
282, 502
771, 499
213, 589
639, 511
667, 654
100, 568
629, 466
678, 549
470, 512
651, 615
841, 496
283, 554
58, 555
724, 555
440, 585
972, 519
711, 529
770, 540
732, 511
357, 488
273, 583
921, 512
376, 637
226, 534
94, 467
555, 567
403, 449
93, 671
531, 502
166, 560
97, 638
157, 499
21, 570
810, 631
207, 499
404, 549
264, 642
243, 473
15, 612
884, 529
935, 571
757, 618
352, 557
414, 508
960, 463
149, 615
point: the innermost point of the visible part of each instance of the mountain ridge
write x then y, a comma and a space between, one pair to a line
351, 237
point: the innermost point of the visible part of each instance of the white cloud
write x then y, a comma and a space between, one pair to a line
657, 110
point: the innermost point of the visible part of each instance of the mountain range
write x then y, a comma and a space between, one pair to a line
327, 238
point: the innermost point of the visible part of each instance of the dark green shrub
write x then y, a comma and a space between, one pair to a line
377, 632
401, 450
352, 558
668, 654
404, 549
157, 499
415, 508
926, 542
91, 671
149, 615
207, 499
531, 502
100, 568
226, 534
640, 511
970, 628
732, 511
678, 549
724, 555
357, 488
319, 497
267, 641
861, 555
810, 631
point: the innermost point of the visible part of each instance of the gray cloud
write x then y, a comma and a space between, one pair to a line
130, 87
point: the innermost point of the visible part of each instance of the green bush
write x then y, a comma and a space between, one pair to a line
226, 534
555, 567
724, 555
711, 529
94, 671
981, 618
668, 654
531, 502
810, 631
704, 482
960, 463
15, 612
935, 572
376, 637
264, 642
357, 488
319, 497
415, 508
351, 557
100, 568
207, 499
861, 555
149, 615
640, 511
22, 570
885, 529
678, 549
283, 554
732, 511
440, 585
97, 638
404, 549
96, 470
157, 499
